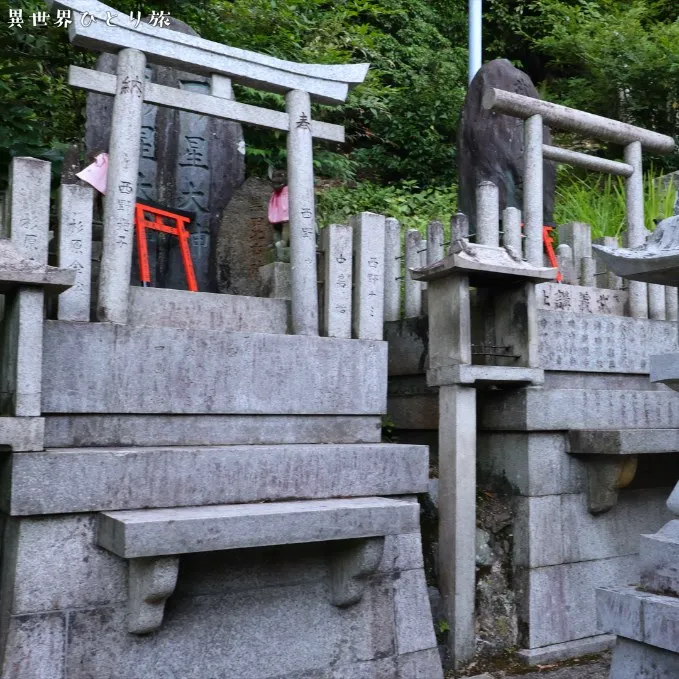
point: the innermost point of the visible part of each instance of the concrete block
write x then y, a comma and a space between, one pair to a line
414, 627
648, 618
65, 431
55, 564
580, 299
659, 560
22, 433
156, 532
534, 408
337, 280
632, 660
168, 308
534, 463
538, 531
35, 647
567, 650
195, 371
557, 603
79, 480
594, 343
368, 303
420, 665
75, 249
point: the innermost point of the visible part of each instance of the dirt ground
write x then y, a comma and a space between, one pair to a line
596, 667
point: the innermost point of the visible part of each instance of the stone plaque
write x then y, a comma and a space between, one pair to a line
590, 343
581, 300
245, 238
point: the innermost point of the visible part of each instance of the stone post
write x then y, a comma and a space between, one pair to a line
656, 302
511, 231
587, 271
564, 257
75, 249
368, 311
459, 227
29, 203
392, 270
121, 188
302, 215
532, 189
487, 214
413, 292
457, 516
579, 236
337, 242
636, 231
671, 303
435, 239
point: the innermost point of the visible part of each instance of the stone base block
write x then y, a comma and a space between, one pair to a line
632, 660
567, 650
659, 560
261, 613
22, 433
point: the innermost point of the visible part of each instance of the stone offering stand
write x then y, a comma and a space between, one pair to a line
541, 387
194, 484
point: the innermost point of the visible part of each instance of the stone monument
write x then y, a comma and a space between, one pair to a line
490, 144
646, 617
187, 161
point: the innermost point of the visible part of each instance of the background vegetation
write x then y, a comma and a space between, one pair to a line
618, 58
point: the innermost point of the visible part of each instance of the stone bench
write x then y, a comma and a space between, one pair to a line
611, 456
152, 539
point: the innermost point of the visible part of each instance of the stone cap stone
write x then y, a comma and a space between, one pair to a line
486, 266
15, 270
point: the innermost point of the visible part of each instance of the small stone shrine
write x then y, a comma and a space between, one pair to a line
187, 161
194, 483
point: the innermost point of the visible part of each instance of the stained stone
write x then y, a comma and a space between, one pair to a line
186, 161
244, 238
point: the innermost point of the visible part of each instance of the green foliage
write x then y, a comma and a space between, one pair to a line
413, 206
600, 202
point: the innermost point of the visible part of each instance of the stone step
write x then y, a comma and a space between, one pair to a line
623, 441
161, 532
69, 480
166, 308
535, 409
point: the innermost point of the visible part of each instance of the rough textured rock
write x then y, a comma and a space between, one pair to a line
244, 236
187, 161
490, 145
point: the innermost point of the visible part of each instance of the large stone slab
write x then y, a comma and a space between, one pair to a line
65, 431
102, 368
165, 308
81, 480
534, 408
632, 660
557, 603
159, 532
588, 342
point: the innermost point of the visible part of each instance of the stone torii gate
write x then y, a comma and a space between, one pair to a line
99, 27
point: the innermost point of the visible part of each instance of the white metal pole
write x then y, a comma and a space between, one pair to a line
475, 13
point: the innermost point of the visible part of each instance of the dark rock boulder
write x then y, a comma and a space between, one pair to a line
490, 145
